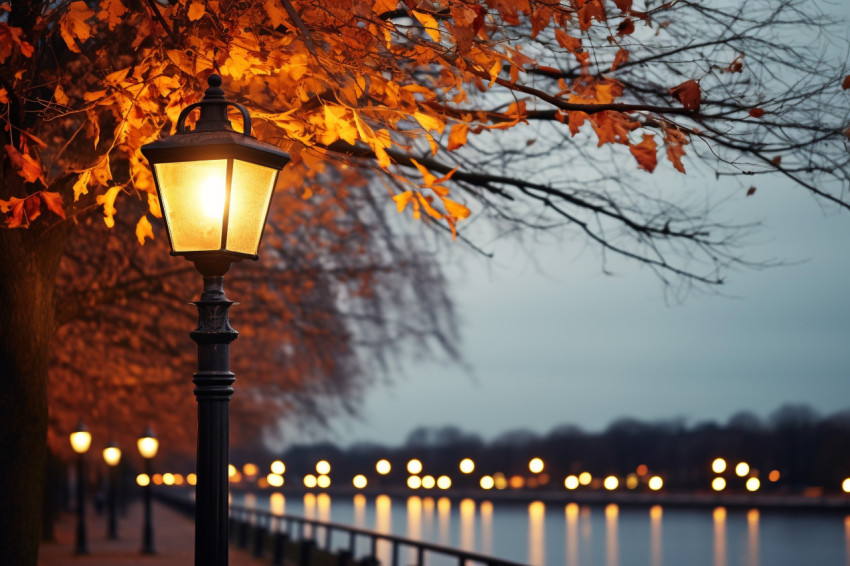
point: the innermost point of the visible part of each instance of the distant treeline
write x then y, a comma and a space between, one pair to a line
808, 450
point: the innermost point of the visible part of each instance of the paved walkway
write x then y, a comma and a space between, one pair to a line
174, 540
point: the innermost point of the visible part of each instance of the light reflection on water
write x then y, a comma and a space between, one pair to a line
579, 535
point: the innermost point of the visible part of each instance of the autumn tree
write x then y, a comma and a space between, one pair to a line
536, 115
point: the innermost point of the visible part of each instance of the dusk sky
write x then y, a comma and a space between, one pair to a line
552, 340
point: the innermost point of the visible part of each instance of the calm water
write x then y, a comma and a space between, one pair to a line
573, 535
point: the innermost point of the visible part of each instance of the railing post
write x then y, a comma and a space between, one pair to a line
259, 539
395, 553
328, 534
352, 543
280, 542
306, 557
343, 557
243, 533
420, 556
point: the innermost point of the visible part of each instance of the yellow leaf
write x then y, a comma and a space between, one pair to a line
81, 187
455, 209
60, 96
108, 202
153, 205
426, 204
430, 122
196, 10
402, 199
144, 230
275, 12
426, 175
432, 28
73, 24
26, 166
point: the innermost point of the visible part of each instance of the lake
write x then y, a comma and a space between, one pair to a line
584, 535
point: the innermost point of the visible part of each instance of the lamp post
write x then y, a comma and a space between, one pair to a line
148, 446
215, 186
112, 456
80, 442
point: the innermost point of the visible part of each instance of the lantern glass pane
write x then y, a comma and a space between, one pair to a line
148, 446
193, 195
250, 193
80, 441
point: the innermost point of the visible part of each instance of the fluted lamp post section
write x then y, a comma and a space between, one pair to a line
112, 457
80, 443
148, 446
214, 186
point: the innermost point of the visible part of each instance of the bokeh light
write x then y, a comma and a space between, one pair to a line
168, 478
611, 483
428, 482
774, 475
278, 467
571, 482
414, 466
535, 466
359, 481
323, 481
487, 482
585, 478
310, 481
323, 467
274, 480
192, 479
656, 483
742, 469
718, 466
444, 482
383, 467
143, 480
414, 482
467, 466
753, 484
718, 484
250, 470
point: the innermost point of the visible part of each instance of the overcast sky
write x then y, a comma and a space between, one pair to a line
567, 344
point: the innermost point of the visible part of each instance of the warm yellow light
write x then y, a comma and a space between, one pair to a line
718, 466
585, 478
262, 483
611, 483
274, 480
487, 482
310, 481
571, 482
212, 194
250, 470
179, 479
277, 502
845, 485
414, 482
753, 484
157, 479
742, 469
323, 481
773, 475
359, 481
516, 482
444, 482
535, 466
278, 467
192, 479
642, 470
719, 514
383, 467
168, 479
236, 477
231, 470
500, 481
143, 480
323, 467
80, 441
656, 512
112, 455
718, 484
467, 466
414, 466
655, 483
631, 481
148, 446
428, 482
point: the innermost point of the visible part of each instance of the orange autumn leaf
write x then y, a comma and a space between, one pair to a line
26, 166
73, 25
432, 28
402, 199
430, 122
111, 12
675, 141
625, 6
53, 201
457, 137
456, 210
144, 230
426, 204
621, 57
568, 42
688, 93
645, 153
592, 10
107, 200
196, 10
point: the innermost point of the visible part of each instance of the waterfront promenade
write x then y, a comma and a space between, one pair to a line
173, 536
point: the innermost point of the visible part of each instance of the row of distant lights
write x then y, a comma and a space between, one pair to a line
166, 479
742, 469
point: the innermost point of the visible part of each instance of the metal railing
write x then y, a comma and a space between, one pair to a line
287, 536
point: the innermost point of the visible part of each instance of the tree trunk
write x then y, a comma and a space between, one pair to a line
29, 259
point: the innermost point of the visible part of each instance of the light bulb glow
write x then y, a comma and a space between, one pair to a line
212, 196
383, 467
585, 478
81, 441
414, 466
359, 481
718, 484
323, 481
753, 484
742, 469
112, 455
571, 482
718, 466
444, 482
143, 480
274, 480
310, 481
611, 483
148, 446
428, 482
656, 483
278, 467
414, 482
487, 482
467, 466
323, 467
535, 466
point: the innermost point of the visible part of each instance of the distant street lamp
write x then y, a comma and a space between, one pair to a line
80, 443
112, 457
215, 186
148, 446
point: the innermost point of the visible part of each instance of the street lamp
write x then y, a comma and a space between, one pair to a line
215, 186
112, 456
148, 445
80, 442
